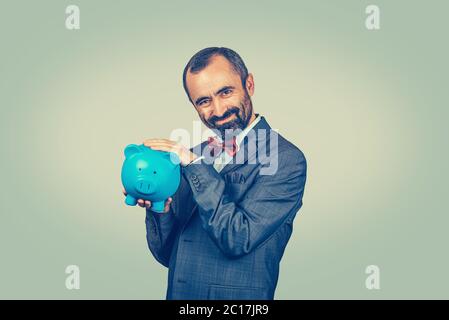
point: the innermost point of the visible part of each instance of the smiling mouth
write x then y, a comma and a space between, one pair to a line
224, 120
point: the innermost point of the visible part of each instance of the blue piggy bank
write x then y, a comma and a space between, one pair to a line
150, 175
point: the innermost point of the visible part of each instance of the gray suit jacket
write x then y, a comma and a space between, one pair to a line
226, 232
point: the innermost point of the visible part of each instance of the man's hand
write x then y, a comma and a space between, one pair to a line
147, 203
183, 153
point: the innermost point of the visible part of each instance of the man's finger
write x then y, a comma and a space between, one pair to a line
159, 144
158, 140
147, 203
140, 203
162, 148
153, 142
167, 204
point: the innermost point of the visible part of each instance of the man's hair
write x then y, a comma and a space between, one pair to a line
201, 60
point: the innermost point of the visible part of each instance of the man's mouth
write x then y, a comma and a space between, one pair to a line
220, 122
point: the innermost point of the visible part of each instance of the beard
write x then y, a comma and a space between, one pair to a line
243, 114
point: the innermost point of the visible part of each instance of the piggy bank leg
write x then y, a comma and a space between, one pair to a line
158, 206
130, 200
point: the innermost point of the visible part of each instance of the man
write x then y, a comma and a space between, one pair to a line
223, 234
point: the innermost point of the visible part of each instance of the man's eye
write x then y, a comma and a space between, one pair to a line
227, 92
203, 103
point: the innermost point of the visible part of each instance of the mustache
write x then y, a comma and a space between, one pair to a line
228, 113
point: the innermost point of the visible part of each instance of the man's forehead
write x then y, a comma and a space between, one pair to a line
218, 73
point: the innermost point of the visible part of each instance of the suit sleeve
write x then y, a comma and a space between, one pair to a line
239, 227
161, 229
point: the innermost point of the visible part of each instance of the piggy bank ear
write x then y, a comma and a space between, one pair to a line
173, 157
131, 149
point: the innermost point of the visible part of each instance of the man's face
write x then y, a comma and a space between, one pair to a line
219, 97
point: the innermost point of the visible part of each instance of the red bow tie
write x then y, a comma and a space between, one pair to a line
230, 146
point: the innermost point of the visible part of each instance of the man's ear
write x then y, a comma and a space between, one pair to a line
131, 149
249, 84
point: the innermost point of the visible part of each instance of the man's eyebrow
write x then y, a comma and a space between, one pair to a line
224, 89
216, 93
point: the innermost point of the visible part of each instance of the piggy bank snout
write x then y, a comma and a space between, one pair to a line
145, 186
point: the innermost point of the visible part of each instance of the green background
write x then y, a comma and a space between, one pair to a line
367, 108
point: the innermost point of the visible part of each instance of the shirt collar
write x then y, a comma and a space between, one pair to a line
243, 134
